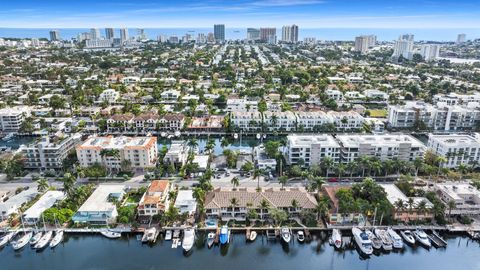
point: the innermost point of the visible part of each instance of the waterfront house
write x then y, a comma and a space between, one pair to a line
100, 208
465, 196
218, 203
185, 202
13, 203
335, 216
411, 208
49, 199
155, 200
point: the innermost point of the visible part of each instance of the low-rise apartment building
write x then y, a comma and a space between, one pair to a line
457, 149
406, 212
11, 118
465, 197
311, 149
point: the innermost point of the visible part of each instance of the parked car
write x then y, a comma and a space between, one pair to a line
333, 179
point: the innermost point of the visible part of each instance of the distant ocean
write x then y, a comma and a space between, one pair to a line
241, 33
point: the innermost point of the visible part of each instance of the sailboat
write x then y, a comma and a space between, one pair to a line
6, 238
43, 242
58, 236
22, 241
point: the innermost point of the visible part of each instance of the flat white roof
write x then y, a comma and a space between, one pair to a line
454, 190
14, 202
453, 140
378, 139
46, 201
98, 201
394, 194
307, 140
185, 201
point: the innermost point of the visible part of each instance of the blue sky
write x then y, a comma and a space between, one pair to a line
241, 13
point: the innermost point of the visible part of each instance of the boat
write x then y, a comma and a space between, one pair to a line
57, 239
253, 236
149, 235
336, 238
396, 239
408, 237
8, 137
188, 239
43, 242
362, 240
210, 239
111, 234
300, 236
177, 133
224, 235
176, 234
235, 136
168, 235
36, 238
22, 241
376, 242
387, 243
286, 234
422, 238
258, 136
6, 238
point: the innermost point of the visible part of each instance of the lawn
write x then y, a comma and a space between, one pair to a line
378, 113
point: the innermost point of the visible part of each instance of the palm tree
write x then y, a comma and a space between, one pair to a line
422, 207
295, 205
340, 170
387, 166
441, 161
364, 163
376, 166
451, 205
326, 163
283, 180
316, 183
42, 185
417, 163
256, 174
321, 208
352, 166
410, 204
264, 204
463, 169
210, 146
192, 143
224, 142
68, 183
235, 182
400, 205
233, 203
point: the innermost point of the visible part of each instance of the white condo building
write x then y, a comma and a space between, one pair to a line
456, 148
311, 149
430, 52
11, 119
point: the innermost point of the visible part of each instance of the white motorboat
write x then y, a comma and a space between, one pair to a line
301, 236
336, 238
188, 239
422, 238
396, 239
149, 235
258, 136
168, 235
22, 241
43, 242
36, 238
6, 238
286, 234
408, 237
362, 240
210, 239
387, 243
376, 242
235, 136
8, 137
253, 236
57, 239
111, 234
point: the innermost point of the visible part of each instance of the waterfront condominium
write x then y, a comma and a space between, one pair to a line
54, 35
404, 46
268, 35
311, 149
109, 33
253, 34
290, 33
95, 33
430, 52
219, 32
457, 149
11, 118
117, 153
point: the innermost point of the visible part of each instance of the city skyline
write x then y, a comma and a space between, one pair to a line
246, 13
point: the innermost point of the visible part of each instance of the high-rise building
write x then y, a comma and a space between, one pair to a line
430, 51
267, 34
253, 34
210, 37
109, 33
201, 38
54, 35
95, 33
404, 46
461, 38
124, 34
219, 32
141, 34
290, 33
362, 43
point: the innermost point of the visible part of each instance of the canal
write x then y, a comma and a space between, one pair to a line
84, 252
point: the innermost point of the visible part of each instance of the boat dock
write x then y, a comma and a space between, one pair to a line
436, 240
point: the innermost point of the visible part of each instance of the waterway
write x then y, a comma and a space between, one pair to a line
85, 252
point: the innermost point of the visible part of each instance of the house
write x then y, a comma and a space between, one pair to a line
13, 203
100, 208
185, 202
335, 217
177, 153
34, 213
109, 95
218, 203
465, 197
407, 213
155, 200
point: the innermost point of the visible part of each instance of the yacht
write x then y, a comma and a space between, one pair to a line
408, 237
57, 239
8, 137
168, 235
253, 236
210, 239
43, 242
336, 238
376, 242
149, 235
188, 239
397, 240
6, 238
387, 243
422, 238
224, 235
362, 240
286, 234
301, 236
22, 241
111, 234
36, 237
